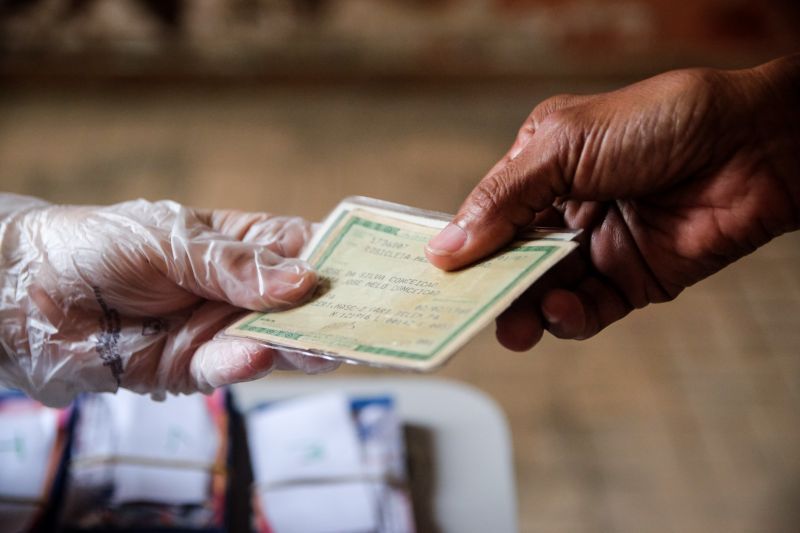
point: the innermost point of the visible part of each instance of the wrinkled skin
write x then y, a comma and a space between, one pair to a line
132, 295
671, 179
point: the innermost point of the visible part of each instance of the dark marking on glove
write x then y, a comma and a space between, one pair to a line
153, 326
107, 346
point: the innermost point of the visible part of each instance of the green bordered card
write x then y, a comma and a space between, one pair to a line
380, 302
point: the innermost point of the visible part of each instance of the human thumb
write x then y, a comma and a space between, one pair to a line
502, 203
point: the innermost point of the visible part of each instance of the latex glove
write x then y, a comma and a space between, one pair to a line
671, 179
131, 295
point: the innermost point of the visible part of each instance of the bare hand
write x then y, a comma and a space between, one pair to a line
671, 179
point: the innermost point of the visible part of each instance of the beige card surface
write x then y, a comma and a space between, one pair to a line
380, 301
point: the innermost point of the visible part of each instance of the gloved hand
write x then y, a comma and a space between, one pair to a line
131, 295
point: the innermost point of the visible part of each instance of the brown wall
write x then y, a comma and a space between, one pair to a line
475, 38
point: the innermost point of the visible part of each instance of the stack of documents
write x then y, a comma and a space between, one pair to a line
327, 463
32, 440
137, 462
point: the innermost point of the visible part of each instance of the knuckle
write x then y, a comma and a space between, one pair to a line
482, 203
238, 258
557, 121
550, 106
704, 85
492, 193
500, 198
697, 77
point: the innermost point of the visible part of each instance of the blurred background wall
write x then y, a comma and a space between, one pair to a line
682, 418
431, 38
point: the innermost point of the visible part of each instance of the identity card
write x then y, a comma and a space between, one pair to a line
380, 302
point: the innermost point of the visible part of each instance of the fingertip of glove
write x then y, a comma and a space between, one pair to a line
308, 364
294, 236
220, 363
288, 283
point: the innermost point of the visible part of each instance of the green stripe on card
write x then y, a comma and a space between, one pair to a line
270, 331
